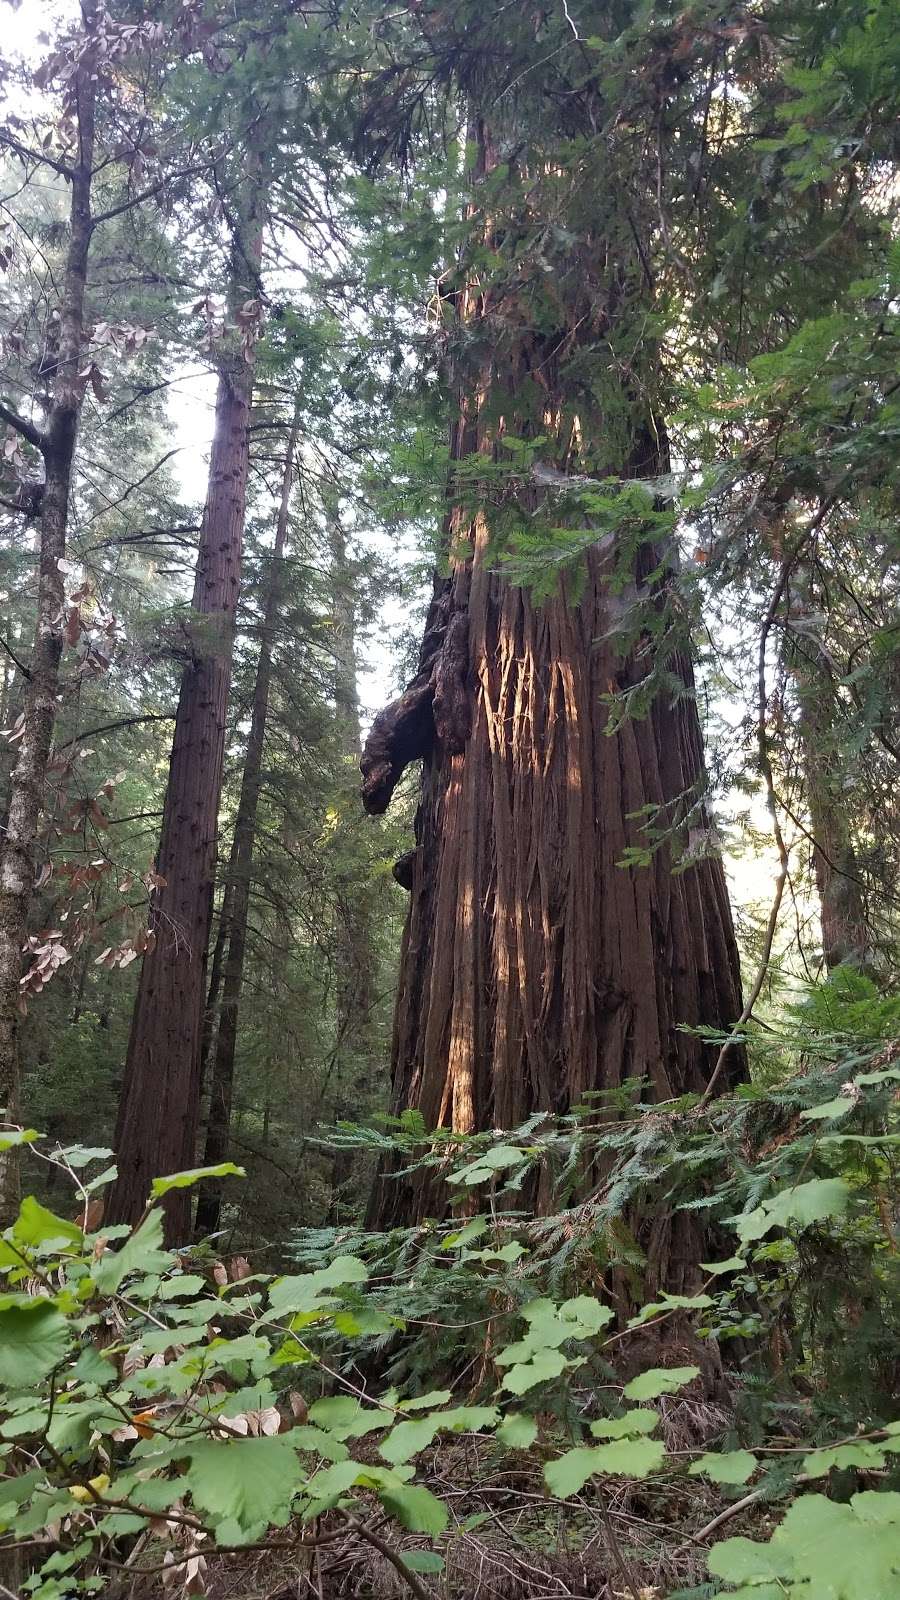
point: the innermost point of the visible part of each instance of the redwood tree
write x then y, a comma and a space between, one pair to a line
236, 894
568, 910
158, 1116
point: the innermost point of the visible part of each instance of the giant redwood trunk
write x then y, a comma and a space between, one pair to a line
535, 967
158, 1117
236, 898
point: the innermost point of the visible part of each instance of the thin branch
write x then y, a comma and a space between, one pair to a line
14, 659
123, 722
404, 1572
154, 189
24, 427
28, 154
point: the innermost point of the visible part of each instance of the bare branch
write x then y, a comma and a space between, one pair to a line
24, 427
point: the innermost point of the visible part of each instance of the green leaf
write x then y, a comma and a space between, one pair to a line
627, 1458
822, 1547
473, 1230
303, 1292
249, 1482
423, 1561
424, 1402
192, 1175
625, 1427
416, 1508
35, 1225
803, 1204
733, 1264
517, 1430
729, 1466
488, 1164
8, 1141
829, 1110
187, 1283
34, 1338
820, 1462
141, 1252
737, 1560
408, 1438
659, 1380
545, 1365
343, 1416
586, 1314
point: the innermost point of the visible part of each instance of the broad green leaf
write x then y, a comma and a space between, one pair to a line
670, 1302
416, 1508
188, 1283
738, 1560
586, 1314
35, 1225
829, 1110
141, 1252
625, 1427
659, 1380
192, 1175
303, 1292
424, 1402
631, 1458
9, 1141
801, 1205
507, 1253
824, 1548
408, 1438
423, 1561
473, 1230
729, 1466
517, 1430
733, 1264
81, 1155
250, 1482
546, 1364
820, 1462
34, 1338
488, 1164
343, 1416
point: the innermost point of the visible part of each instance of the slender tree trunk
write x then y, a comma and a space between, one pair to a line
354, 976
57, 444
159, 1109
845, 931
240, 866
534, 967
214, 989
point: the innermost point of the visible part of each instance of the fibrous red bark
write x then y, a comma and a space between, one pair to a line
534, 966
158, 1117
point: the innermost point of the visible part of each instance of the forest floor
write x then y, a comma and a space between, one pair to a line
509, 1539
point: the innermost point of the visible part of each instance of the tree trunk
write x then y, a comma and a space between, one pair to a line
237, 888
57, 444
534, 967
845, 931
353, 1059
158, 1116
